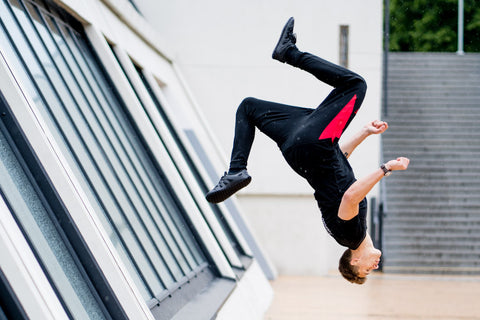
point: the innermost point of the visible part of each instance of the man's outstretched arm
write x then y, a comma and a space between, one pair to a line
374, 127
359, 189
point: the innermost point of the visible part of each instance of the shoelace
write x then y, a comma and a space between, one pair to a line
221, 182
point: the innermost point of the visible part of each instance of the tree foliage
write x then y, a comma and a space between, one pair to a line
431, 25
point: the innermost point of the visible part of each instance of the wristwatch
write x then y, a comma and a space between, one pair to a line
386, 172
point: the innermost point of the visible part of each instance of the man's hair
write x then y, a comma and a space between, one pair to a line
349, 271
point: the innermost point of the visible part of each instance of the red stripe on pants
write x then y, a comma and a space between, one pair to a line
337, 125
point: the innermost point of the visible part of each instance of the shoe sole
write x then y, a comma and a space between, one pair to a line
222, 195
282, 35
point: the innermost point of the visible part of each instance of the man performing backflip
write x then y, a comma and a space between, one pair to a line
308, 139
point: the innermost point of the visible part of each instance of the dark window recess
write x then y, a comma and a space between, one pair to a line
10, 306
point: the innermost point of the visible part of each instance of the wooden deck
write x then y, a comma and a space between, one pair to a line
400, 297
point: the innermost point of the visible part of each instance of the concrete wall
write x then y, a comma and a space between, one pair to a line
224, 50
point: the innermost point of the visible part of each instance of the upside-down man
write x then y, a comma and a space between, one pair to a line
308, 139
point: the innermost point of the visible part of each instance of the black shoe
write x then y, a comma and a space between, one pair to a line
228, 185
287, 40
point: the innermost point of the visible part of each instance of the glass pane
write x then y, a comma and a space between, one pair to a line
49, 245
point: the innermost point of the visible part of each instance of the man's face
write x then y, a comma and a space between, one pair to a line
367, 262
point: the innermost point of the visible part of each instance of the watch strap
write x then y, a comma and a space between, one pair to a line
386, 172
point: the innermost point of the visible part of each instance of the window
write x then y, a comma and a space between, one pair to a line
344, 46
129, 192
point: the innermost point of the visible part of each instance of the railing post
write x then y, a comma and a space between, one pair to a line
376, 223
386, 48
460, 28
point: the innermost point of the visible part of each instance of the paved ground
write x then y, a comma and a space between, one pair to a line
399, 297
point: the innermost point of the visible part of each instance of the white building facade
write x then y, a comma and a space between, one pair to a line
223, 50
103, 174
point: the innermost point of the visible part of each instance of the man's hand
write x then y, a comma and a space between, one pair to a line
399, 164
376, 127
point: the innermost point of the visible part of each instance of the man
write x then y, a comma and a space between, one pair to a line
308, 139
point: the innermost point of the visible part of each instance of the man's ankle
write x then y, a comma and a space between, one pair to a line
234, 171
292, 56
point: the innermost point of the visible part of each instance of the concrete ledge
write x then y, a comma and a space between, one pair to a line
250, 299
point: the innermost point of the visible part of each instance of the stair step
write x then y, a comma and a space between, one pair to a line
453, 262
397, 204
426, 212
425, 159
437, 252
432, 57
450, 69
437, 90
430, 239
393, 144
417, 218
431, 167
433, 204
431, 194
407, 98
442, 135
437, 184
399, 77
420, 270
400, 192
426, 183
424, 131
421, 256
432, 120
432, 229
446, 246
440, 109
456, 229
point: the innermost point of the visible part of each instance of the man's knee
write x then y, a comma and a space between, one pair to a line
359, 82
246, 105
248, 101
356, 84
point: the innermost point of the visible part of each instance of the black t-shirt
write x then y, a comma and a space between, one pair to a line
329, 173
348, 233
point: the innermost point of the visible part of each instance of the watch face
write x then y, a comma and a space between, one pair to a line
388, 173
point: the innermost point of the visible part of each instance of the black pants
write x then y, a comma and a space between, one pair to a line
289, 125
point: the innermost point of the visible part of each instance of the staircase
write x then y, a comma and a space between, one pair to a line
432, 210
